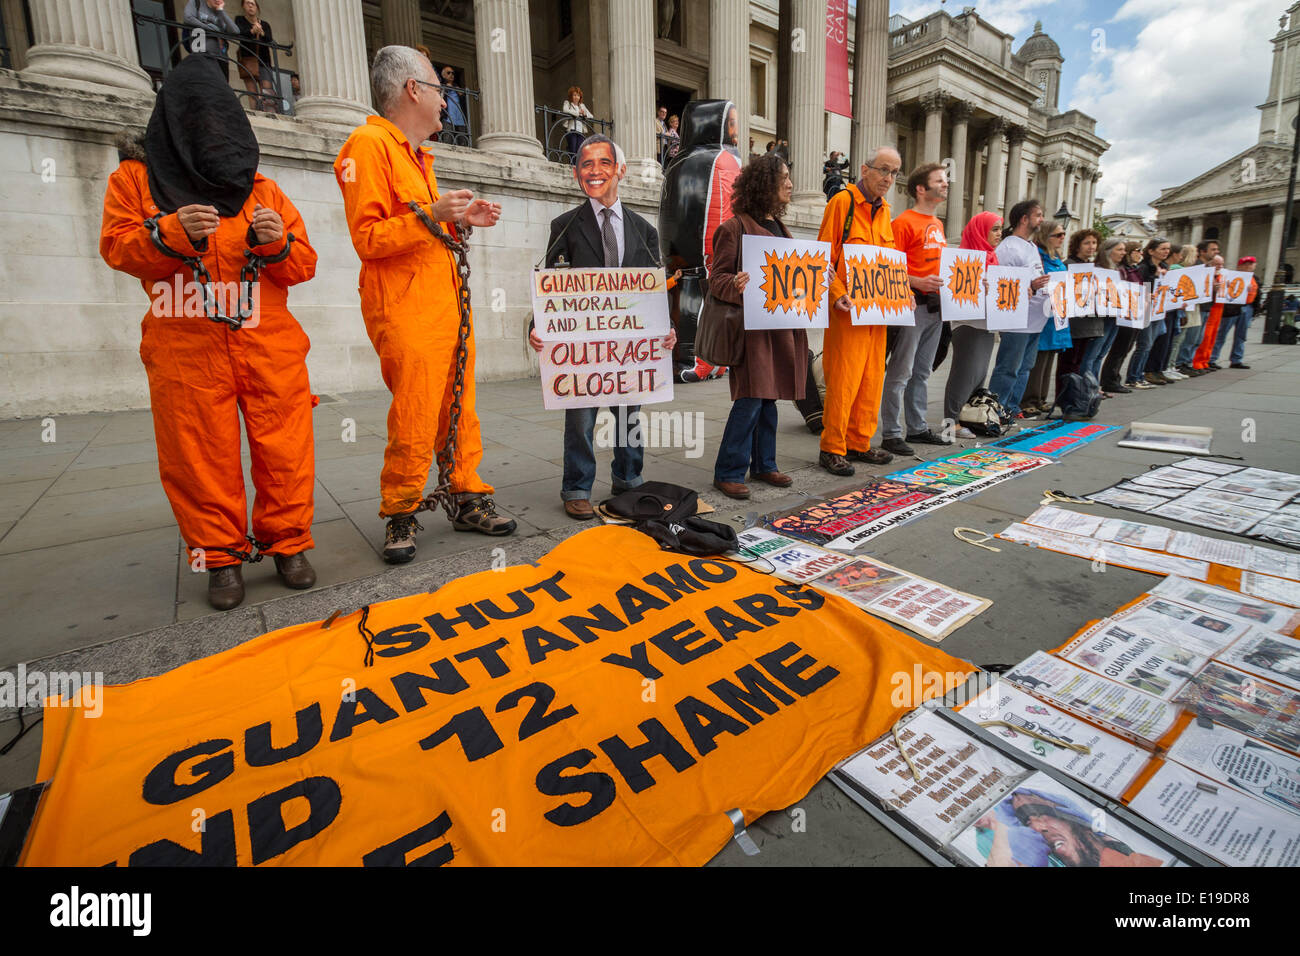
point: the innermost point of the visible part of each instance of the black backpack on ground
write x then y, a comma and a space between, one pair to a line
1078, 397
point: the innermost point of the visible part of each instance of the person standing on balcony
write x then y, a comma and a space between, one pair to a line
577, 130
410, 296
454, 125
210, 17
255, 56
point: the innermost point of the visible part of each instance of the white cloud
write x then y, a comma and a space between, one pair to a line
1181, 99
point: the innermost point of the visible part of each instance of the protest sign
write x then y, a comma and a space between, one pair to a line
789, 281
1232, 758
1106, 763
629, 371
1234, 828
961, 297
1056, 304
1257, 708
1186, 286
1042, 823
574, 305
1055, 438
1083, 289
1138, 315
876, 280
1108, 291
607, 705
1007, 303
1235, 286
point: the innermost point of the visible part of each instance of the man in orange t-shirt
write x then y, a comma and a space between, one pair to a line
919, 233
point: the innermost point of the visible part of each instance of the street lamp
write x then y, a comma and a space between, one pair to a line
1273, 321
1063, 213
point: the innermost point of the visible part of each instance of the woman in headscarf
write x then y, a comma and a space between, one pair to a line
972, 342
189, 198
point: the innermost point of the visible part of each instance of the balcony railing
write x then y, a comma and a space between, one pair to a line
559, 142
161, 43
459, 133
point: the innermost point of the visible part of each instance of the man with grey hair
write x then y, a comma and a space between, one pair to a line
410, 296
853, 356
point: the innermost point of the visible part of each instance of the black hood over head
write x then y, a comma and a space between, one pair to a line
704, 123
199, 145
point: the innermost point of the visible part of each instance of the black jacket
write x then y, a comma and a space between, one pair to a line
581, 245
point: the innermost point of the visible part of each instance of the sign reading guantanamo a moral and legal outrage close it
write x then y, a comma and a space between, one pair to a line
603, 333
607, 705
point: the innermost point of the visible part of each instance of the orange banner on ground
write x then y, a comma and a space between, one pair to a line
607, 705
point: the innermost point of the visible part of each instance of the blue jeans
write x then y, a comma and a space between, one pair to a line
1240, 326
748, 440
580, 451
1191, 341
1097, 349
1137, 365
1016, 356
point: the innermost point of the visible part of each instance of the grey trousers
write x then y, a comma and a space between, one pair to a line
907, 373
971, 351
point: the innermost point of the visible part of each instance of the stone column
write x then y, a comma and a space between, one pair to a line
331, 50
993, 172
1275, 228
870, 56
401, 22
933, 104
1015, 166
1232, 250
1198, 229
95, 42
728, 65
956, 219
1057, 169
807, 97
631, 85
505, 71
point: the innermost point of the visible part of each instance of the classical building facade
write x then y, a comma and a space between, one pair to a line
1242, 201
74, 74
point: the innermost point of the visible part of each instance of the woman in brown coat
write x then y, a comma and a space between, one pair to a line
776, 360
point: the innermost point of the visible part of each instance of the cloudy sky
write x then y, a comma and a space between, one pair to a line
1173, 84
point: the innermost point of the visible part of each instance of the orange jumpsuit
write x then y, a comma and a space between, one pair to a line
202, 374
409, 302
853, 356
1201, 359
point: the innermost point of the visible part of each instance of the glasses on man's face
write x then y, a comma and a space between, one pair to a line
432, 86
887, 173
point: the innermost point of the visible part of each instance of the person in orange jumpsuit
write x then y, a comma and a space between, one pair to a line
853, 356
195, 175
410, 296
1210, 334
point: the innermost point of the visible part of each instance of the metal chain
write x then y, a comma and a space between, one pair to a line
247, 276
446, 456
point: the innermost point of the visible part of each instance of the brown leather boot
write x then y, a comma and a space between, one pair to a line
225, 587
295, 570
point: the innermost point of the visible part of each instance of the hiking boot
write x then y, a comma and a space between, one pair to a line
479, 513
928, 437
225, 587
295, 570
835, 464
1214, 366
399, 538
732, 489
897, 446
872, 456
1155, 378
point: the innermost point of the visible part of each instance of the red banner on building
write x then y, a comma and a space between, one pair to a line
837, 58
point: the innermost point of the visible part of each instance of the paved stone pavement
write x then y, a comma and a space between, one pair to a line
96, 577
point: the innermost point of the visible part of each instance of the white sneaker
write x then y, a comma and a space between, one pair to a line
964, 432
1174, 374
